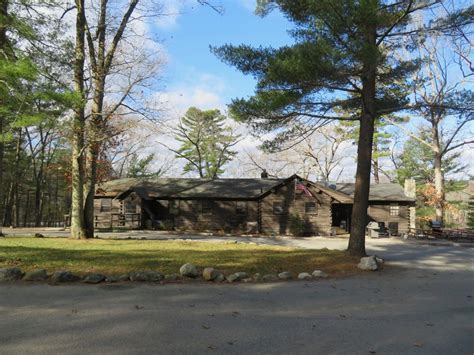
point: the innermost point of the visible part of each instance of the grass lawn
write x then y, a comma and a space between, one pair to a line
114, 257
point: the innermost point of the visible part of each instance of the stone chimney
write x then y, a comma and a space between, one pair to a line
264, 174
410, 191
410, 188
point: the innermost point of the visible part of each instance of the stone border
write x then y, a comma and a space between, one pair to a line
187, 272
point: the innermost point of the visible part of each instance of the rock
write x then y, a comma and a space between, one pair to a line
172, 277
304, 276
94, 278
269, 278
379, 260
232, 278
209, 274
64, 276
241, 275
10, 274
39, 235
285, 275
257, 277
247, 280
146, 276
319, 273
188, 270
220, 277
124, 277
368, 263
112, 279
36, 275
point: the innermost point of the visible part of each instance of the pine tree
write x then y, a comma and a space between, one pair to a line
206, 142
344, 58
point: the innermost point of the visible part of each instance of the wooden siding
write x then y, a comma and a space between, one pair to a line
318, 223
217, 216
122, 213
380, 212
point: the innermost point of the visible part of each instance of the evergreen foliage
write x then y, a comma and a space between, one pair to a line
206, 142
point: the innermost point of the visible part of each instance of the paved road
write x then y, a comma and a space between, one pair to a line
422, 303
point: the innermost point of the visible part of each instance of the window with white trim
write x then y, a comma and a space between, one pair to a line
394, 209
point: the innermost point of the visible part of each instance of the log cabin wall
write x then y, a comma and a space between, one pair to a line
114, 213
315, 212
224, 216
395, 215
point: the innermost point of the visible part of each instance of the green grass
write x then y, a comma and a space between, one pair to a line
115, 257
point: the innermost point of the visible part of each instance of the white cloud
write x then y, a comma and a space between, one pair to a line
249, 4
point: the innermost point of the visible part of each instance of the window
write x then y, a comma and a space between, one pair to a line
277, 207
173, 207
105, 204
394, 210
241, 207
129, 206
206, 207
310, 208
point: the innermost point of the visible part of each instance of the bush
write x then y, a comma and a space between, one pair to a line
298, 226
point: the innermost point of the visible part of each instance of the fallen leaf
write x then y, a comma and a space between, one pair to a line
429, 324
418, 344
205, 326
139, 307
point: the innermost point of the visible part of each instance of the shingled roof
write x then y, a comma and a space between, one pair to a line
182, 188
378, 192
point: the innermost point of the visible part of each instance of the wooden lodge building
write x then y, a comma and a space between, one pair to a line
267, 206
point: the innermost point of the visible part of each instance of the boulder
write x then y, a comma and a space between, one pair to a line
304, 276
241, 275
269, 278
285, 275
379, 260
220, 277
188, 270
172, 277
368, 263
319, 273
112, 279
124, 277
36, 275
247, 280
209, 274
232, 278
94, 278
64, 276
10, 274
257, 277
146, 276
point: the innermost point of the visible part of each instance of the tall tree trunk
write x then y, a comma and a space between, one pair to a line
359, 216
77, 167
3, 52
11, 200
438, 172
375, 164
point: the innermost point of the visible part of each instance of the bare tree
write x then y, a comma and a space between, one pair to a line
446, 105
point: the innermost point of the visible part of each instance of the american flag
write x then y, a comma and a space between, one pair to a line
299, 185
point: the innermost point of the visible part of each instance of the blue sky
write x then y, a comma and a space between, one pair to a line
193, 75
